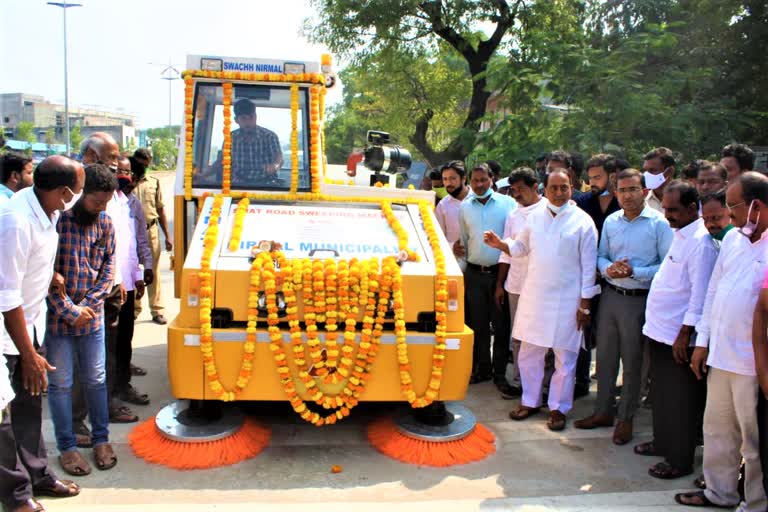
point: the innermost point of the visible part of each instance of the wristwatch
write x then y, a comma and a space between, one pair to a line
584, 311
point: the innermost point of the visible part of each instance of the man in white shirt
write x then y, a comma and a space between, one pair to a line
28, 230
524, 188
555, 307
447, 210
673, 309
724, 342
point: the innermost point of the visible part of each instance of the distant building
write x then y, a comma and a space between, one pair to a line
44, 115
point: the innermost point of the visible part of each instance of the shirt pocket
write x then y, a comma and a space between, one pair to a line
96, 255
674, 271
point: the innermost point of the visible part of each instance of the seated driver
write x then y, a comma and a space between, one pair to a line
256, 153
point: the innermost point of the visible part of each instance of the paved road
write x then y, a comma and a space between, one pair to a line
534, 470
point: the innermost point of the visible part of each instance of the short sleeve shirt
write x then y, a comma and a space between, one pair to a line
149, 193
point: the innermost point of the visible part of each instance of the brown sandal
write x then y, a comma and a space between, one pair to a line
59, 489
104, 456
74, 464
523, 412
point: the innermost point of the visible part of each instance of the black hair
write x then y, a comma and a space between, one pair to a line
99, 178
55, 172
665, 154
11, 162
714, 166
541, 158
137, 166
457, 166
688, 193
435, 174
577, 164
483, 167
718, 196
564, 171
742, 153
692, 168
495, 167
525, 174
604, 160
560, 156
630, 173
754, 187
143, 154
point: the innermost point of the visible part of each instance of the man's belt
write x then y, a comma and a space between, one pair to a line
638, 292
151, 223
489, 269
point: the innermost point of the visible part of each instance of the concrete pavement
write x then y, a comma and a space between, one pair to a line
534, 470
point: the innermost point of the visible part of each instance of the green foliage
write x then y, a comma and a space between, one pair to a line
75, 138
25, 131
164, 153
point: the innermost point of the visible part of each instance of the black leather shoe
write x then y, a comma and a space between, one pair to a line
510, 392
476, 379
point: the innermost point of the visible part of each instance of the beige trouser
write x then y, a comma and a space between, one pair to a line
153, 290
730, 433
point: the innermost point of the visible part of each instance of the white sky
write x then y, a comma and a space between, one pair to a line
111, 44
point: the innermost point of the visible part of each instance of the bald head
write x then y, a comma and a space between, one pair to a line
59, 171
100, 147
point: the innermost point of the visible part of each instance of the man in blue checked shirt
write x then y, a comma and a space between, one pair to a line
485, 210
86, 260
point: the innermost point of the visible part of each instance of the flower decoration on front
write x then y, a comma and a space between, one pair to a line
226, 149
237, 225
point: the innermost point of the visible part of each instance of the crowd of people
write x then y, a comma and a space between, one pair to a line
81, 249
659, 276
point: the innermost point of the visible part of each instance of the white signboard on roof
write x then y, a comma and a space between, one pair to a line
251, 64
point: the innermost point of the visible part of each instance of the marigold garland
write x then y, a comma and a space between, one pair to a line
315, 153
189, 88
402, 235
294, 137
314, 78
237, 225
226, 153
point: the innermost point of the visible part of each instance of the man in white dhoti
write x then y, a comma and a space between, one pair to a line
559, 240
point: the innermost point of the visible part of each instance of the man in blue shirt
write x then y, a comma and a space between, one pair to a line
15, 172
634, 242
481, 211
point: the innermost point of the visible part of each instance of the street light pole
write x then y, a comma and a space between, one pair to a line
64, 5
169, 73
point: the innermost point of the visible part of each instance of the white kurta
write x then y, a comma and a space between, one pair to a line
562, 267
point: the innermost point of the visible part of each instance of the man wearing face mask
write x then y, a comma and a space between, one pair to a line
554, 307
716, 217
658, 170
447, 210
634, 241
119, 379
485, 210
28, 230
724, 344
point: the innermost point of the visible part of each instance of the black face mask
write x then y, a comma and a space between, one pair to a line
125, 183
83, 216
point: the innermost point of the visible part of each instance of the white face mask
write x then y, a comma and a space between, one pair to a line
557, 209
75, 198
749, 228
654, 181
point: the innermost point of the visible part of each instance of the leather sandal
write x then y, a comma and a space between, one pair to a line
132, 396
648, 449
523, 412
700, 482
104, 456
122, 415
74, 464
556, 421
59, 489
137, 371
31, 505
697, 499
666, 471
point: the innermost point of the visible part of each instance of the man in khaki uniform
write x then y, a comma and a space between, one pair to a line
151, 197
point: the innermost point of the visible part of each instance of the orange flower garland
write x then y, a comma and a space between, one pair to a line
441, 308
206, 301
402, 235
226, 154
294, 137
189, 89
314, 137
315, 78
237, 225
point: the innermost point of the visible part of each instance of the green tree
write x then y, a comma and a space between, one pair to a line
25, 131
374, 33
75, 138
50, 136
164, 153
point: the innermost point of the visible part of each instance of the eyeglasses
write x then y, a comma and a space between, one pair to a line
732, 206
